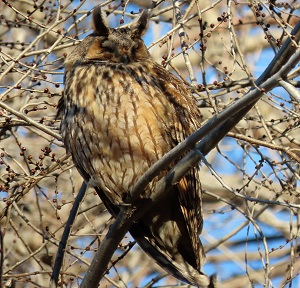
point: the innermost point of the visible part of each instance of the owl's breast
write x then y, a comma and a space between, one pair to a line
116, 125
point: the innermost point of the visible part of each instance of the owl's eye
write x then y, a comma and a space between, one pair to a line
135, 46
109, 49
107, 45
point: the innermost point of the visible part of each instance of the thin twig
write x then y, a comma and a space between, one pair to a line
64, 239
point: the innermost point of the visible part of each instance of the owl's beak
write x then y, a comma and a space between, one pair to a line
125, 50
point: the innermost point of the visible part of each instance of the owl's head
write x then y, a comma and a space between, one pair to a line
120, 45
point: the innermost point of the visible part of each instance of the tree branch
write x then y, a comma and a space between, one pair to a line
64, 238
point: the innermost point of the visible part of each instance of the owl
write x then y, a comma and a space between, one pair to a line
121, 112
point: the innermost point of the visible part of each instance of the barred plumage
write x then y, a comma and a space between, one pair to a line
121, 112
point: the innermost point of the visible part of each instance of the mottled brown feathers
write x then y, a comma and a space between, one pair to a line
121, 112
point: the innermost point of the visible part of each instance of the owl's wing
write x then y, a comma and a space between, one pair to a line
189, 188
190, 201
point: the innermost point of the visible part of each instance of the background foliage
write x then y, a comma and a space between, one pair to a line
251, 236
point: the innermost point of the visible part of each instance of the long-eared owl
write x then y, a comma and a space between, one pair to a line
121, 112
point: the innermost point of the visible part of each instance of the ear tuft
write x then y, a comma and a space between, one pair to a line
141, 24
99, 24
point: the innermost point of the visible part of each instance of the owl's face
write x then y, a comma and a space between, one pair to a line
121, 45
